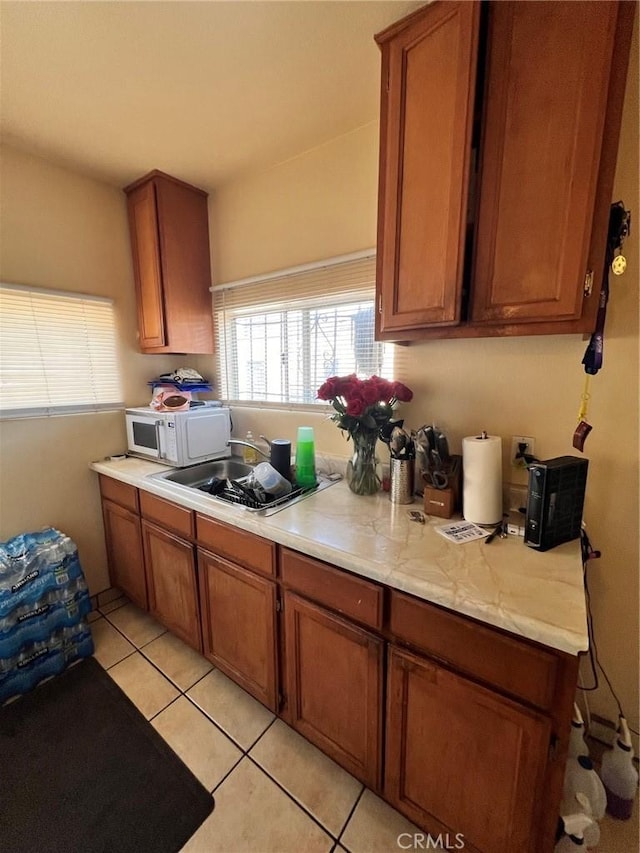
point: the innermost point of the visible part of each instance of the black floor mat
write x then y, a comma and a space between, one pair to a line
82, 770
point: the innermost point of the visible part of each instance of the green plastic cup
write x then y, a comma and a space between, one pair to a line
305, 457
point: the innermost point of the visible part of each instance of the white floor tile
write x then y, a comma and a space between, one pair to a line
207, 752
252, 815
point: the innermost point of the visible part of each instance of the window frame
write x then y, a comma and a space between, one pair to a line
302, 298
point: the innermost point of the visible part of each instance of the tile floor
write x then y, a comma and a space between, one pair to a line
274, 792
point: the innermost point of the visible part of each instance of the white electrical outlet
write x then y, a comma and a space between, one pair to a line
517, 461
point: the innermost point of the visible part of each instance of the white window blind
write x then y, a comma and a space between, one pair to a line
58, 353
280, 336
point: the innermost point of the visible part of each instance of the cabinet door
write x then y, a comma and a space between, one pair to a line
124, 552
545, 101
428, 92
183, 224
239, 625
334, 686
461, 759
143, 224
171, 579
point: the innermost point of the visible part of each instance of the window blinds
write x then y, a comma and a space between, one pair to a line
280, 336
58, 353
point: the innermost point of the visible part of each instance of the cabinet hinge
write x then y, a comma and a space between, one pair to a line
278, 605
588, 283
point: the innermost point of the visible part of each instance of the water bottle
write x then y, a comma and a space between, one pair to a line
577, 745
581, 778
619, 776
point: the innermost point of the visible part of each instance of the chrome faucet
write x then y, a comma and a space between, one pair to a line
248, 444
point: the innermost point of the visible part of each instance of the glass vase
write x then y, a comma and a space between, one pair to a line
362, 474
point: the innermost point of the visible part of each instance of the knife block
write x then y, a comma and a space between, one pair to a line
444, 502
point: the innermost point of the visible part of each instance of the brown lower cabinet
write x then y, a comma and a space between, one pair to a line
334, 686
462, 727
239, 625
123, 539
171, 583
462, 759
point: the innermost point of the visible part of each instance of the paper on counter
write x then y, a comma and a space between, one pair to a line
462, 531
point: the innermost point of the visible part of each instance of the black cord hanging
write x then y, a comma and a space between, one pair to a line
619, 229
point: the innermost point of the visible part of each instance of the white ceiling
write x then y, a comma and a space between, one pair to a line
207, 91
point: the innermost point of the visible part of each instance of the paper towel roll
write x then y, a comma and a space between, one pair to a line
482, 479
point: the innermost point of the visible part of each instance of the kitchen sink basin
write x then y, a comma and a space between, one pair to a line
237, 475
201, 475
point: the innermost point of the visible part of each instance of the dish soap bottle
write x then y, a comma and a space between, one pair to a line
249, 454
619, 776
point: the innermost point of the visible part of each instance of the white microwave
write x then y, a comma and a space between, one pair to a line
179, 438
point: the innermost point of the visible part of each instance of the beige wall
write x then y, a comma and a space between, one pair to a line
323, 204
63, 231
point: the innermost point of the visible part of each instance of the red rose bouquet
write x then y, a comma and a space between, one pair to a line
362, 408
362, 404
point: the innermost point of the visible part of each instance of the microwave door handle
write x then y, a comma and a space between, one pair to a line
157, 425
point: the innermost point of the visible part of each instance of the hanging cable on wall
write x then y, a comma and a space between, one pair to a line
619, 229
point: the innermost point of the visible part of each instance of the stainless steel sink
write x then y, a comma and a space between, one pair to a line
201, 477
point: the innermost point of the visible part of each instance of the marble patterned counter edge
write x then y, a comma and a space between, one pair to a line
539, 596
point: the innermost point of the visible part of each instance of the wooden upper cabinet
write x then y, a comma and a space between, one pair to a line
169, 227
546, 92
499, 133
428, 89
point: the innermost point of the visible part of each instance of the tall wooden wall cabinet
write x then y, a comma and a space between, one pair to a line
169, 227
499, 134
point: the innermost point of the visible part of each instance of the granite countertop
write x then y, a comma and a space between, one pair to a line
539, 596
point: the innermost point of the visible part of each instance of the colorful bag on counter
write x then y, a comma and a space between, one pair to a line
167, 398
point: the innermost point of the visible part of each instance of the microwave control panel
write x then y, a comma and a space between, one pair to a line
170, 449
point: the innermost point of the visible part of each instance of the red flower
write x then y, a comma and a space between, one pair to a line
328, 390
384, 387
348, 386
402, 393
355, 406
370, 393
362, 403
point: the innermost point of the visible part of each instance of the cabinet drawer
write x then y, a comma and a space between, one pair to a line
241, 547
515, 667
356, 598
167, 514
119, 493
